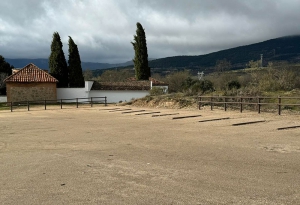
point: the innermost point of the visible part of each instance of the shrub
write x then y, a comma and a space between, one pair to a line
156, 91
176, 80
206, 86
234, 84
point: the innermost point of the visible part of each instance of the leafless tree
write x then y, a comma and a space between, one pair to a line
223, 65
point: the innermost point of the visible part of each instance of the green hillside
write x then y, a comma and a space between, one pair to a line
279, 49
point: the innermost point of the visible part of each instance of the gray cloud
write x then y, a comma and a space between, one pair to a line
103, 29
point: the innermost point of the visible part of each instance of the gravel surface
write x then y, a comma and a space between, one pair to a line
94, 156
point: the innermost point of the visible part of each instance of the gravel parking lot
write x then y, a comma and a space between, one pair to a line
101, 155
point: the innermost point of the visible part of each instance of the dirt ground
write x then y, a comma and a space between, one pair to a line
100, 156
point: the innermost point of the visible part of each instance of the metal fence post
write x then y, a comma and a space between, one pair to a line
45, 104
211, 103
259, 105
105, 101
199, 103
11, 106
77, 102
241, 104
60, 103
91, 101
225, 104
279, 105
27, 105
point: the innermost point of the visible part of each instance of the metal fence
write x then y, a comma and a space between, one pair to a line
60, 102
253, 103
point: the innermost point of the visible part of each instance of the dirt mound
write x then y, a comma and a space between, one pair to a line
177, 101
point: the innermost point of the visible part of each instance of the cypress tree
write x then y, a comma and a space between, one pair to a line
142, 70
57, 62
5, 71
76, 78
5, 67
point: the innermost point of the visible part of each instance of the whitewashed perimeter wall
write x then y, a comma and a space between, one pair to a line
115, 96
72, 93
3, 99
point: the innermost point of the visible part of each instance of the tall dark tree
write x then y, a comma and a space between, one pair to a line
57, 62
5, 67
142, 70
76, 78
5, 71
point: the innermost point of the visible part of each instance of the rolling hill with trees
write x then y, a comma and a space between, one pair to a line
279, 49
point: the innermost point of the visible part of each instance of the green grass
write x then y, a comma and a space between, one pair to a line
3, 106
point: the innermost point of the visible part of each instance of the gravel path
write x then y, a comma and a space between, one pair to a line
94, 156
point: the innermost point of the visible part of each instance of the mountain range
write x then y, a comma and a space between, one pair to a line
279, 49
43, 63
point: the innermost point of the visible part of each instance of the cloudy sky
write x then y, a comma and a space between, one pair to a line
103, 29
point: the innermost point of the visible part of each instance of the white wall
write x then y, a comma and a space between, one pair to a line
115, 96
72, 93
88, 85
3, 98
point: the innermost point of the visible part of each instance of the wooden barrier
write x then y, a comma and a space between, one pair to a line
241, 101
91, 101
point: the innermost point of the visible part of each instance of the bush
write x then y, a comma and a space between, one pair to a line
233, 85
157, 91
176, 81
194, 87
206, 86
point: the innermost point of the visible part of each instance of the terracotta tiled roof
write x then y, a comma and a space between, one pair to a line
157, 82
134, 85
30, 74
130, 84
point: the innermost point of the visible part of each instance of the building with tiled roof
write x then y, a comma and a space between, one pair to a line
29, 84
128, 85
31, 73
157, 82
